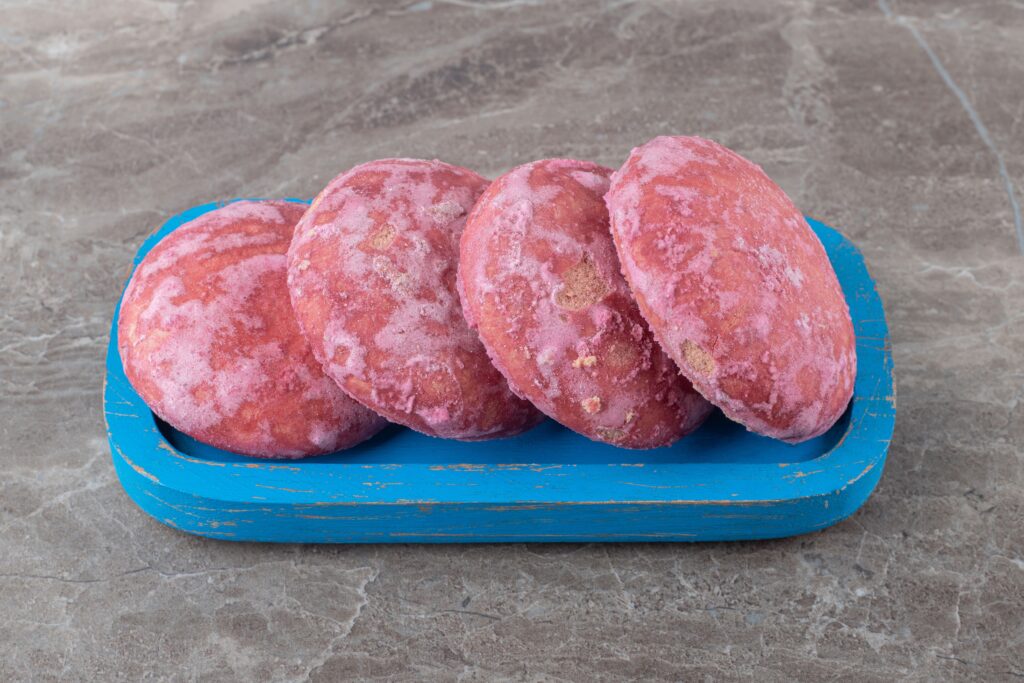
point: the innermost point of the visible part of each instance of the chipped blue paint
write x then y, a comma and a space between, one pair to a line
722, 483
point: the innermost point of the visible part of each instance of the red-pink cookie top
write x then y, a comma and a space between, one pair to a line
540, 281
208, 339
735, 285
372, 271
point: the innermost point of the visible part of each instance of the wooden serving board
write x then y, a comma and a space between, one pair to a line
720, 483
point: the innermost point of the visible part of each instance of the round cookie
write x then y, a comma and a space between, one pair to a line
208, 339
541, 283
735, 285
372, 271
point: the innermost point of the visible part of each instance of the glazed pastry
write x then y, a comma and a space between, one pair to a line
540, 281
735, 286
372, 271
208, 339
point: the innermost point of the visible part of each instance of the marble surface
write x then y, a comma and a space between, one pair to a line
900, 122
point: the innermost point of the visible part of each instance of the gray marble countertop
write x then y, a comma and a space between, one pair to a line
901, 123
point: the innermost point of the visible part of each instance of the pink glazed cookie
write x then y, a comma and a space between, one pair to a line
540, 281
209, 341
735, 285
372, 271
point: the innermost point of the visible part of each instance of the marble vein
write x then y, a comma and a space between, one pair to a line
972, 113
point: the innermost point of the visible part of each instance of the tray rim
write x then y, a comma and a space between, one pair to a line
852, 465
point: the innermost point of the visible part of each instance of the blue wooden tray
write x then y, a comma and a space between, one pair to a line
721, 483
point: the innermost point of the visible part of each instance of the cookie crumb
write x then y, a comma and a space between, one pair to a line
583, 286
698, 358
592, 404
383, 238
610, 435
585, 362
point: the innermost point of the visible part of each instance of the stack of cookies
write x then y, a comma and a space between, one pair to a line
623, 305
